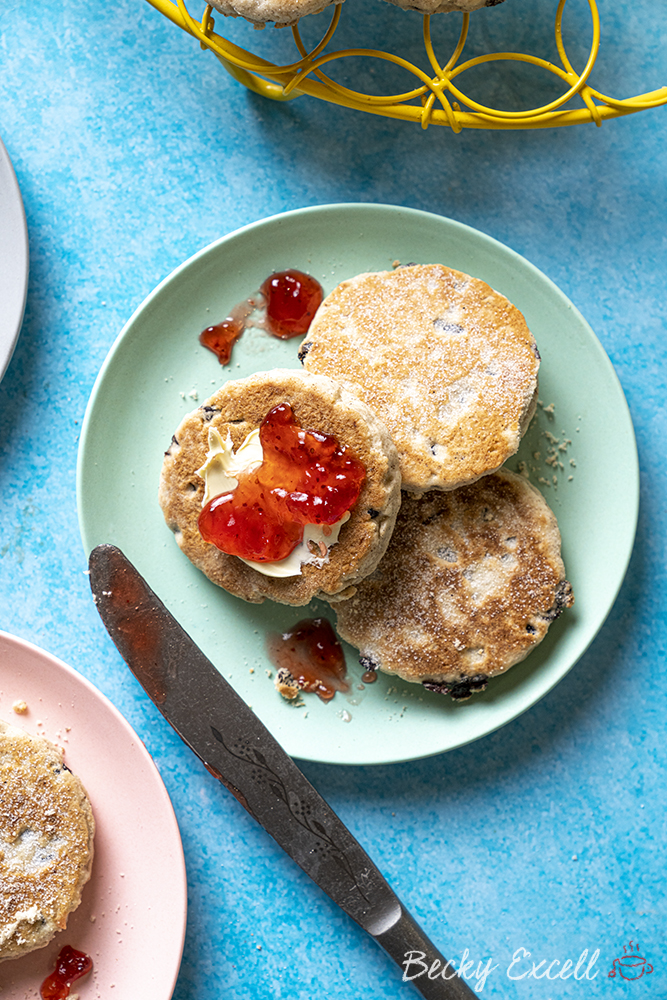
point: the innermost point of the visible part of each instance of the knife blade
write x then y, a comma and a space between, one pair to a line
238, 750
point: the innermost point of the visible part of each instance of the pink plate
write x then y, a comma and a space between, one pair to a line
131, 920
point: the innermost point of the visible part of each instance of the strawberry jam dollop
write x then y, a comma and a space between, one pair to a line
292, 299
305, 477
70, 966
221, 338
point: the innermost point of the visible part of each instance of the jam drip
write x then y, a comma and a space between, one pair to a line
292, 299
70, 966
221, 338
313, 656
305, 478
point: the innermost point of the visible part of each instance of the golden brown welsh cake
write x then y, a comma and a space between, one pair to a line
468, 587
448, 364
445, 6
280, 12
46, 841
318, 404
284, 12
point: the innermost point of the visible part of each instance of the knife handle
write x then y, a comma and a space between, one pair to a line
421, 962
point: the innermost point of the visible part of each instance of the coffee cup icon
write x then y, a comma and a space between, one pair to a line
631, 967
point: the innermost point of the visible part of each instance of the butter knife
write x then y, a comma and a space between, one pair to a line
238, 750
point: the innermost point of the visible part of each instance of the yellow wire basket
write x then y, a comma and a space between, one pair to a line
436, 97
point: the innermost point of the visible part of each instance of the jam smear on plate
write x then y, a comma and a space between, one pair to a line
70, 966
221, 338
292, 299
305, 477
312, 654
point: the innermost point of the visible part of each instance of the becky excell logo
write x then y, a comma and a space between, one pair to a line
631, 965
522, 966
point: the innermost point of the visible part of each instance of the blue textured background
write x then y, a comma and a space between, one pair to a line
133, 149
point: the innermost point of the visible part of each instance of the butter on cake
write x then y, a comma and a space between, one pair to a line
215, 449
448, 364
469, 585
46, 841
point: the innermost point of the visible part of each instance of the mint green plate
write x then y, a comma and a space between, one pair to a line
156, 372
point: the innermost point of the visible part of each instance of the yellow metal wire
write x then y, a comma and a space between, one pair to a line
435, 99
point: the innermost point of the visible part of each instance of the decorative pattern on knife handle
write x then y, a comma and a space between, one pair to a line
300, 811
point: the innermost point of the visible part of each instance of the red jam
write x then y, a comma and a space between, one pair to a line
221, 338
70, 966
305, 478
313, 655
292, 299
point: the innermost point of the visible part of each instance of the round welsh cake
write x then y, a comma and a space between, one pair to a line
468, 587
216, 448
259, 12
46, 841
444, 6
448, 364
